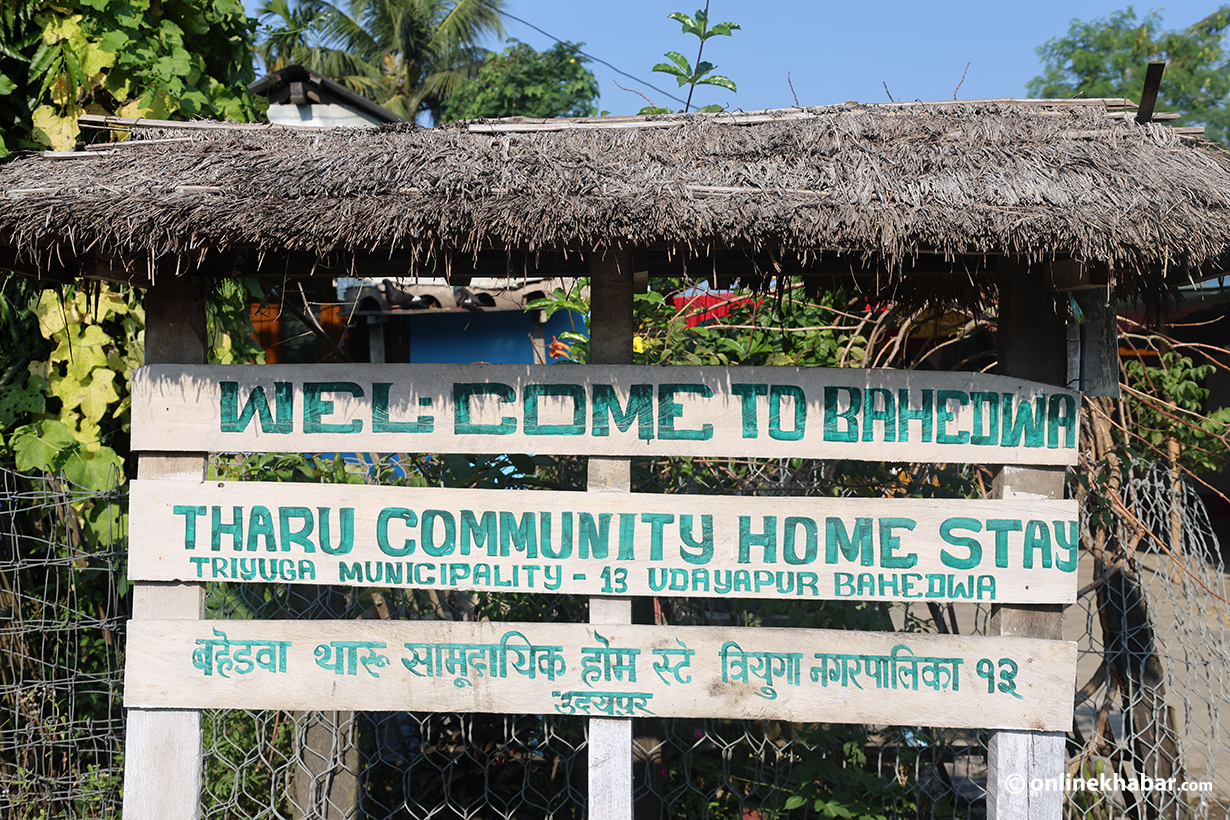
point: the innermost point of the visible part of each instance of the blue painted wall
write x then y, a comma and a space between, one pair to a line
498, 337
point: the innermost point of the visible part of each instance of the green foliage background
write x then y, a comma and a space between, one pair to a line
1108, 58
523, 82
163, 59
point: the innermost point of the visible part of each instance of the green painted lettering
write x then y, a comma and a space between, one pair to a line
747, 394
943, 415
890, 543
849, 415
484, 532
1001, 527
427, 535
189, 514
464, 391
627, 536
534, 392
669, 410
257, 405
382, 531
260, 525
345, 542
990, 401
1061, 413
972, 544
925, 415
775, 412
594, 537
1068, 543
520, 536
843, 584
811, 540
315, 407
1029, 422
766, 539
292, 536
1037, 537
879, 407
544, 536
705, 544
233, 529
607, 410
656, 522
380, 414
853, 545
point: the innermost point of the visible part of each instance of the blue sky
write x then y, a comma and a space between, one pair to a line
833, 51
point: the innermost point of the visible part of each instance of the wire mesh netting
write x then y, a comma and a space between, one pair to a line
61, 636
1152, 677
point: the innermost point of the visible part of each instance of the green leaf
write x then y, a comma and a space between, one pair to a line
99, 394
679, 60
723, 28
794, 801
689, 26
42, 447
718, 79
17, 402
42, 60
666, 68
113, 40
93, 471
7, 86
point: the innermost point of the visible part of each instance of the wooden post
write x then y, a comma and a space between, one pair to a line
610, 342
163, 747
324, 782
1032, 344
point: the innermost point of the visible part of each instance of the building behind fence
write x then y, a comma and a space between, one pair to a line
1152, 681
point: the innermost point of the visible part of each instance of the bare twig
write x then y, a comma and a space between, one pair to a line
634, 91
958, 88
796, 96
889, 93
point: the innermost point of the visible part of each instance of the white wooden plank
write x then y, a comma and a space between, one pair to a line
164, 749
872, 415
1016, 761
609, 740
605, 543
1031, 342
162, 764
587, 669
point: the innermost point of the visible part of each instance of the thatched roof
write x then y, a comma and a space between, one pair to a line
889, 188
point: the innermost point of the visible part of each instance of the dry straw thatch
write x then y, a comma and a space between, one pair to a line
876, 184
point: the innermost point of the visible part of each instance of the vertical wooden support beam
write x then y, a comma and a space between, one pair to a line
375, 339
1032, 345
1093, 345
163, 747
610, 342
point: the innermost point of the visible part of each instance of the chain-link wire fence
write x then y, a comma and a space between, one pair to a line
61, 649
1152, 679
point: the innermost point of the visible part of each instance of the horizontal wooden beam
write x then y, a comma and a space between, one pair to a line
603, 670
765, 412
620, 544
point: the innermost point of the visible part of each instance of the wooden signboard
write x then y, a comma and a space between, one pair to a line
605, 543
603, 671
615, 410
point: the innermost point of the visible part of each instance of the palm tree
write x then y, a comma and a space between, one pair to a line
407, 55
